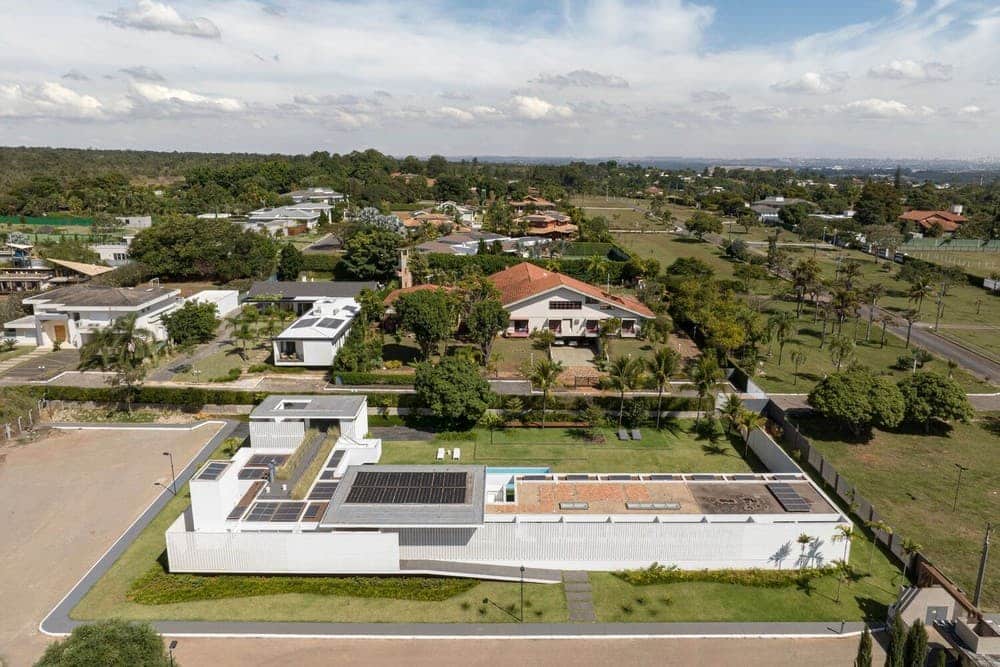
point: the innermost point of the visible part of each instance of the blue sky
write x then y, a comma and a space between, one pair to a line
878, 78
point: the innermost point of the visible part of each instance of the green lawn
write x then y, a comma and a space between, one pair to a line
977, 263
16, 352
985, 342
865, 598
818, 363
109, 597
216, 365
514, 353
621, 213
910, 478
564, 450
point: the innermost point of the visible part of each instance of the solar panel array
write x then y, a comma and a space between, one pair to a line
314, 511
329, 323
322, 491
252, 473
276, 512
788, 497
245, 501
399, 488
264, 460
308, 322
213, 470
335, 460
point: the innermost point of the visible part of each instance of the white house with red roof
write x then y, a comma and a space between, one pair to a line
570, 308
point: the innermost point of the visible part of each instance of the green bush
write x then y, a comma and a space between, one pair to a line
233, 374
360, 378
158, 587
662, 574
189, 397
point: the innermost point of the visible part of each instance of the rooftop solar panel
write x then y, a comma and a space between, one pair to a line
252, 473
323, 491
328, 474
788, 497
307, 322
287, 512
262, 511
314, 511
213, 470
335, 460
264, 460
407, 488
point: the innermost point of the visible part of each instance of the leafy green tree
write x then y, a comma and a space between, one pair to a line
731, 411
841, 349
794, 215
371, 254
915, 649
69, 250
361, 351
798, 358
932, 397
122, 348
544, 375
702, 223
453, 390
661, 366
111, 642
750, 421
491, 421
194, 322
864, 657
428, 315
290, 263
486, 319
858, 399
624, 374
879, 204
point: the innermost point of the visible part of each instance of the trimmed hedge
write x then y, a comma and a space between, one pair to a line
158, 587
182, 396
359, 377
661, 574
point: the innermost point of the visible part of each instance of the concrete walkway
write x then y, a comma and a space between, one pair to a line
579, 598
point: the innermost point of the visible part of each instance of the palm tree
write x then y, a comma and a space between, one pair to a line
798, 358
750, 421
849, 273
910, 547
919, 290
492, 421
782, 326
876, 527
841, 348
123, 348
873, 293
910, 316
842, 571
843, 534
705, 374
624, 374
661, 367
731, 411
804, 275
605, 330
597, 268
544, 375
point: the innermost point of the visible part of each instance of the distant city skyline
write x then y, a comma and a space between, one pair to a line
722, 79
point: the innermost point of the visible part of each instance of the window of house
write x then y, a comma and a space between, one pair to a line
565, 305
593, 325
628, 325
521, 326
591, 300
555, 326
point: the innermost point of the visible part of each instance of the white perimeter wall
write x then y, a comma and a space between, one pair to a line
771, 455
615, 546
280, 553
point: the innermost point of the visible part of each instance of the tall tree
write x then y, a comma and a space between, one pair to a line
915, 650
864, 657
290, 263
453, 390
123, 348
544, 375
428, 315
624, 374
705, 374
661, 367
750, 421
487, 318
930, 397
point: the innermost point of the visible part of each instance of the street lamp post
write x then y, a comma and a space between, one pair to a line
958, 484
522, 594
173, 477
170, 649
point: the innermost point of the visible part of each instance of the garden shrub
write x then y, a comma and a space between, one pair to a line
669, 574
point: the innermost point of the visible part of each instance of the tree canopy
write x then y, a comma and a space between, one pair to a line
112, 642
858, 399
371, 254
428, 315
290, 263
486, 319
453, 390
930, 396
194, 322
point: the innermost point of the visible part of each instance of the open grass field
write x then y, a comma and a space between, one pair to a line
986, 342
677, 449
818, 363
980, 264
110, 596
911, 479
865, 597
624, 213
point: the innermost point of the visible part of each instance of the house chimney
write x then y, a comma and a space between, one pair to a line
957, 209
405, 277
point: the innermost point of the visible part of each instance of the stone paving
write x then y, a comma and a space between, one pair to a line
579, 599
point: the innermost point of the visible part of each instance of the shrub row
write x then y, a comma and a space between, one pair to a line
661, 574
362, 378
158, 587
182, 396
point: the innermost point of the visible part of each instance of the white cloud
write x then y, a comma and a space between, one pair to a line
875, 107
142, 73
971, 111
709, 96
581, 78
161, 17
813, 83
535, 108
47, 99
183, 100
470, 115
75, 75
911, 70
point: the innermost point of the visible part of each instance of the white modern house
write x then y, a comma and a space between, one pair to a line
571, 309
285, 220
316, 195
315, 338
226, 301
357, 516
300, 296
71, 315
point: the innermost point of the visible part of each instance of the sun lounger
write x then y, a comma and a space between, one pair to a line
636, 434
456, 454
622, 434
440, 456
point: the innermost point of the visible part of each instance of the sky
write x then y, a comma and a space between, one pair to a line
577, 78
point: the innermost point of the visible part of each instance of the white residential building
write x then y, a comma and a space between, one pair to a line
300, 296
315, 338
226, 301
316, 195
471, 520
569, 308
284, 220
71, 315
136, 221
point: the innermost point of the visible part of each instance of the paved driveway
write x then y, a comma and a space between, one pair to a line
45, 366
63, 500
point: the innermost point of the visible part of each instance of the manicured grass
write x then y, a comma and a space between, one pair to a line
818, 363
910, 478
217, 365
977, 263
515, 353
621, 213
866, 597
331, 600
564, 450
985, 342
16, 352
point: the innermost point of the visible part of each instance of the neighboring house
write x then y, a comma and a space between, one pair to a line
947, 222
287, 220
136, 221
315, 338
213, 216
467, 243
570, 308
71, 315
355, 516
531, 202
114, 254
316, 195
226, 301
550, 224
26, 273
767, 209
299, 297
466, 214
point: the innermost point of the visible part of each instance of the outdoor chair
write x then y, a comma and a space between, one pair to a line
636, 434
440, 456
456, 454
622, 434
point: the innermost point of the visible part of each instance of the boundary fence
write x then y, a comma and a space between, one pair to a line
23, 423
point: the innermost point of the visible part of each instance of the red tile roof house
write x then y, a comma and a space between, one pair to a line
948, 222
570, 308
